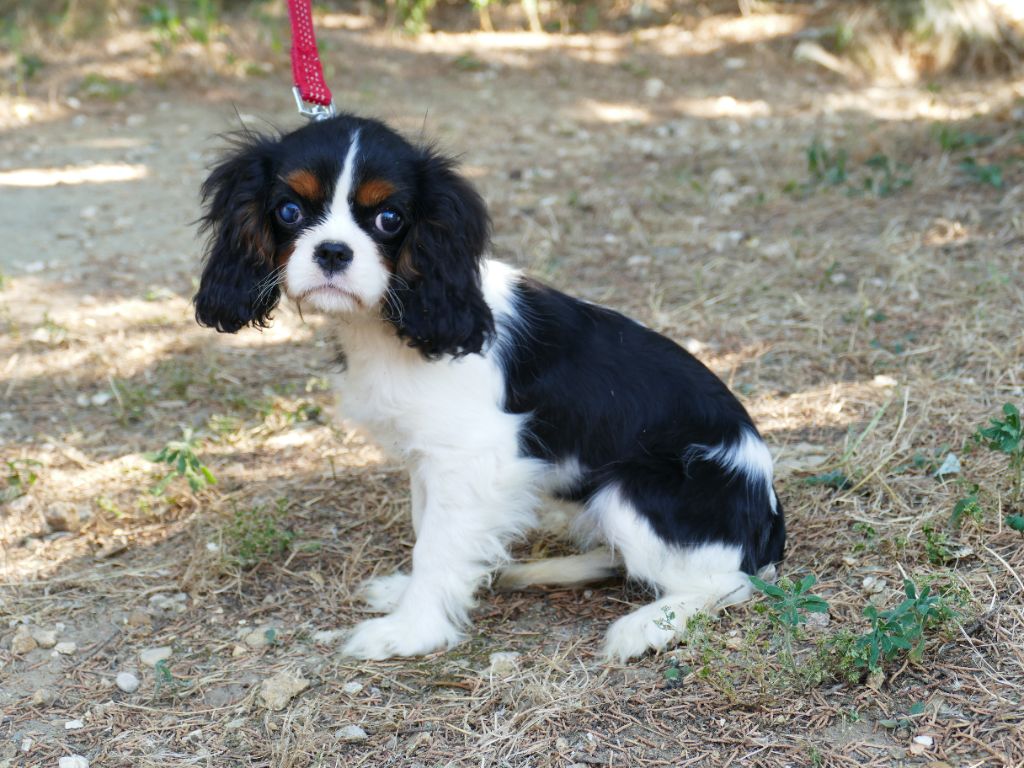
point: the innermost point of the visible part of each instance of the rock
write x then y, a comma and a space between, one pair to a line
234, 725
151, 656
654, 87
352, 688
722, 178
175, 603
873, 585
924, 740
351, 733
26, 744
277, 691
72, 761
139, 618
62, 516
127, 682
503, 663
238, 651
46, 638
42, 698
66, 648
23, 642
73, 725
260, 637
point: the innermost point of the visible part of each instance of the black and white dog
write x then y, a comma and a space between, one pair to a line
495, 390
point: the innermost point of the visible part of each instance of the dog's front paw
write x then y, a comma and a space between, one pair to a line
382, 593
399, 635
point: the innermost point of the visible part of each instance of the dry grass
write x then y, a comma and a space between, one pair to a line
862, 331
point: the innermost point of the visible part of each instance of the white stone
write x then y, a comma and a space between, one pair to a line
47, 638
127, 682
151, 656
72, 761
277, 691
654, 87
351, 733
352, 688
73, 725
924, 740
722, 178
65, 648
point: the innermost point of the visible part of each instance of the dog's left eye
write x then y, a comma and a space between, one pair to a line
289, 214
388, 221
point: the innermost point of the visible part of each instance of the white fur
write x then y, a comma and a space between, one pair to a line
362, 284
691, 580
472, 491
751, 457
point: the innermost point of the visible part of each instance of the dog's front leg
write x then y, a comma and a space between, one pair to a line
466, 518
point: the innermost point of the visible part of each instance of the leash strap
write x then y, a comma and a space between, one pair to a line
312, 96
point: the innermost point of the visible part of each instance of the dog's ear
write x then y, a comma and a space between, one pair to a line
437, 302
238, 286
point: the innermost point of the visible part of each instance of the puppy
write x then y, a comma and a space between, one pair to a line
496, 390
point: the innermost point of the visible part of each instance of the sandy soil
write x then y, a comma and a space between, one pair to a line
663, 172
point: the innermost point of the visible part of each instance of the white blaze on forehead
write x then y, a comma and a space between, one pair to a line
365, 277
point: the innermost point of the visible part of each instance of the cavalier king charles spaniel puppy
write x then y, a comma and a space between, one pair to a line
497, 392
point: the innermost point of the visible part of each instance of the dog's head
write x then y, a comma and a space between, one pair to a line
346, 216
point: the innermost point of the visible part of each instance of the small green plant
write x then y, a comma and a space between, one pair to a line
1006, 435
952, 139
967, 508
184, 461
21, 476
937, 545
825, 167
255, 534
1015, 522
787, 604
835, 478
897, 631
983, 173
886, 179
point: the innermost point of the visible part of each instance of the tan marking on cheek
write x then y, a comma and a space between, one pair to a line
374, 192
282, 256
305, 183
404, 266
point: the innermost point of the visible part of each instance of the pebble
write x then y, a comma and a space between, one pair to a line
175, 603
65, 649
261, 637
722, 178
46, 638
23, 642
503, 663
42, 698
73, 725
654, 87
151, 656
924, 740
351, 733
139, 618
352, 688
277, 691
26, 744
62, 516
72, 761
127, 682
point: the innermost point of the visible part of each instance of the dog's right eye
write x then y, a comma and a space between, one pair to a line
289, 214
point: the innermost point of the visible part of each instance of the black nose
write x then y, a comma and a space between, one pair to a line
332, 257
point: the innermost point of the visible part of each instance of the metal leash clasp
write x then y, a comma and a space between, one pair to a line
310, 111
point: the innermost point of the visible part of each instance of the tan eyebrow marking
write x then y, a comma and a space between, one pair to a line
374, 192
305, 183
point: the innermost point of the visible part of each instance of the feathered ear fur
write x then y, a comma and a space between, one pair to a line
440, 305
238, 286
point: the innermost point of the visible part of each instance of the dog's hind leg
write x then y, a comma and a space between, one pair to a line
702, 578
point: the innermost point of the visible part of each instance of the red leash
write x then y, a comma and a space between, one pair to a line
312, 96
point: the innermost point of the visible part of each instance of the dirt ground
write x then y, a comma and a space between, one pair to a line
870, 327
